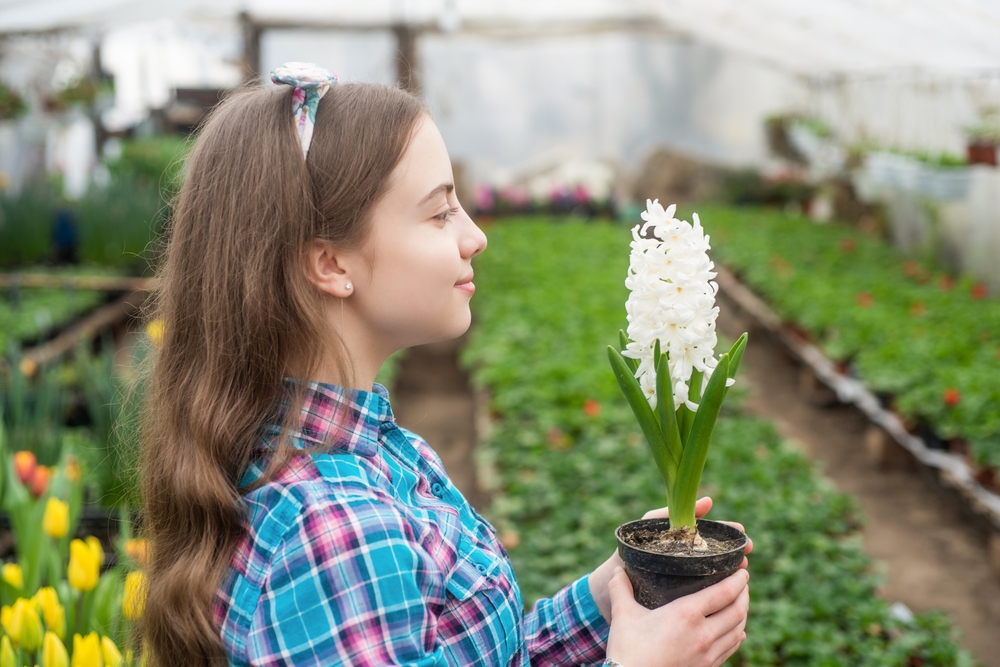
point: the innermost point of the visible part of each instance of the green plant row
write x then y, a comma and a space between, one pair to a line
926, 339
31, 313
566, 463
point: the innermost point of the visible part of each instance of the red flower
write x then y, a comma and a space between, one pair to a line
947, 283
918, 308
24, 464
39, 481
848, 245
911, 269
951, 397
978, 291
591, 407
865, 299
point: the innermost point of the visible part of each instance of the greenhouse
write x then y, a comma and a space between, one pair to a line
255, 411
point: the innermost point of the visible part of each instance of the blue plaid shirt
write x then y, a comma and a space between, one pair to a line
367, 554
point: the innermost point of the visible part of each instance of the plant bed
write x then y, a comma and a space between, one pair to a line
565, 463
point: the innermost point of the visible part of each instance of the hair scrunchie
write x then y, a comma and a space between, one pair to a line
311, 83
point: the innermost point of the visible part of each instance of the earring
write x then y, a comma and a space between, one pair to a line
349, 286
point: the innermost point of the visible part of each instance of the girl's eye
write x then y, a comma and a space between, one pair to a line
443, 217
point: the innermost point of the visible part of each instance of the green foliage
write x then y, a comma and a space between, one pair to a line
28, 314
550, 301
11, 104
909, 331
116, 222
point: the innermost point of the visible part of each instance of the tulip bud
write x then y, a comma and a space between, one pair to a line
24, 464
7, 656
84, 569
112, 656
137, 550
25, 626
87, 651
11, 573
53, 612
53, 652
55, 522
134, 600
39, 481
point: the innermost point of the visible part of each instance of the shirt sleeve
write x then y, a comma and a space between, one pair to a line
566, 629
349, 585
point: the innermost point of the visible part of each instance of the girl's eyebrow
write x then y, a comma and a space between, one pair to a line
444, 187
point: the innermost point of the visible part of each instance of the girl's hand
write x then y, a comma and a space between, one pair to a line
698, 630
601, 577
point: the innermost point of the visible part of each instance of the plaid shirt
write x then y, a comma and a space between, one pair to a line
369, 555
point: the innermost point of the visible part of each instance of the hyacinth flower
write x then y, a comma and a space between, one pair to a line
667, 367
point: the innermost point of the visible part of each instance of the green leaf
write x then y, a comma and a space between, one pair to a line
643, 414
623, 342
696, 447
668, 421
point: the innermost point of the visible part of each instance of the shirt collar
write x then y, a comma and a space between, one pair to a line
336, 417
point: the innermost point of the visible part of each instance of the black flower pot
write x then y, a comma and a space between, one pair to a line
659, 578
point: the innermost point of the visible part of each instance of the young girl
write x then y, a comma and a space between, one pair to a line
292, 521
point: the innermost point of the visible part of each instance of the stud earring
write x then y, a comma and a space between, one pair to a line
349, 286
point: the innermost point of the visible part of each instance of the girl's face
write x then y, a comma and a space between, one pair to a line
412, 280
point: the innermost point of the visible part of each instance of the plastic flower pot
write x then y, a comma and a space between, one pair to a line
659, 578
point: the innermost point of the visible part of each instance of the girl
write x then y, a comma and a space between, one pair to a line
292, 522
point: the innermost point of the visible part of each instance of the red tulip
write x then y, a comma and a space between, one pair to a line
951, 397
865, 299
39, 481
978, 291
24, 464
591, 407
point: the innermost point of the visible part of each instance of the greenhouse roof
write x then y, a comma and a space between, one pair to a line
816, 39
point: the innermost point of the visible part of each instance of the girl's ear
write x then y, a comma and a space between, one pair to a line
325, 268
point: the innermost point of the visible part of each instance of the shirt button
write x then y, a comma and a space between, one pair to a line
437, 489
481, 568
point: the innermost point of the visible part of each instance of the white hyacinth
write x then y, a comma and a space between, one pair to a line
672, 299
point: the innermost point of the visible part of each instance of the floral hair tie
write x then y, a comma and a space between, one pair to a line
311, 83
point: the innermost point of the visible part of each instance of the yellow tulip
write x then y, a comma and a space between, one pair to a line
53, 612
55, 522
6, 615
11, 573
53, 652
134, 599
25, 627
112, 656
155, 330
95, 547
87, 651
7, 656
84, 568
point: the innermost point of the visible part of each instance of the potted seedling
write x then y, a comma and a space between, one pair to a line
675, 385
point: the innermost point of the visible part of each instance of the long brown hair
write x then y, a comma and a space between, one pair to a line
238, 312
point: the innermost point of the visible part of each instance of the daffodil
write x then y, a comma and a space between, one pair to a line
7, 656
112, 656
134, 599
25, 627
84, 567
11, 573
55, 521
87, 651
53, 652
53, 612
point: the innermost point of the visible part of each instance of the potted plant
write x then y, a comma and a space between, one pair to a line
984, 137
675, 385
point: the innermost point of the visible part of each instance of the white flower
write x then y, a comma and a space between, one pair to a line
672, 300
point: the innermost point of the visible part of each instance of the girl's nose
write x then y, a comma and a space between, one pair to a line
474, 240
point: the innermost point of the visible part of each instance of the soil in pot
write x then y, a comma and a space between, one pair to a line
663, 567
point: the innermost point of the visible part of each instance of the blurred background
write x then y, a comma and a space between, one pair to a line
842, 155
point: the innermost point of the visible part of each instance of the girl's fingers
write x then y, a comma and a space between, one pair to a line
724, 621
718, 596
729, 645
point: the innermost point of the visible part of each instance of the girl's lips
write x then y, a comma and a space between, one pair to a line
469, 287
